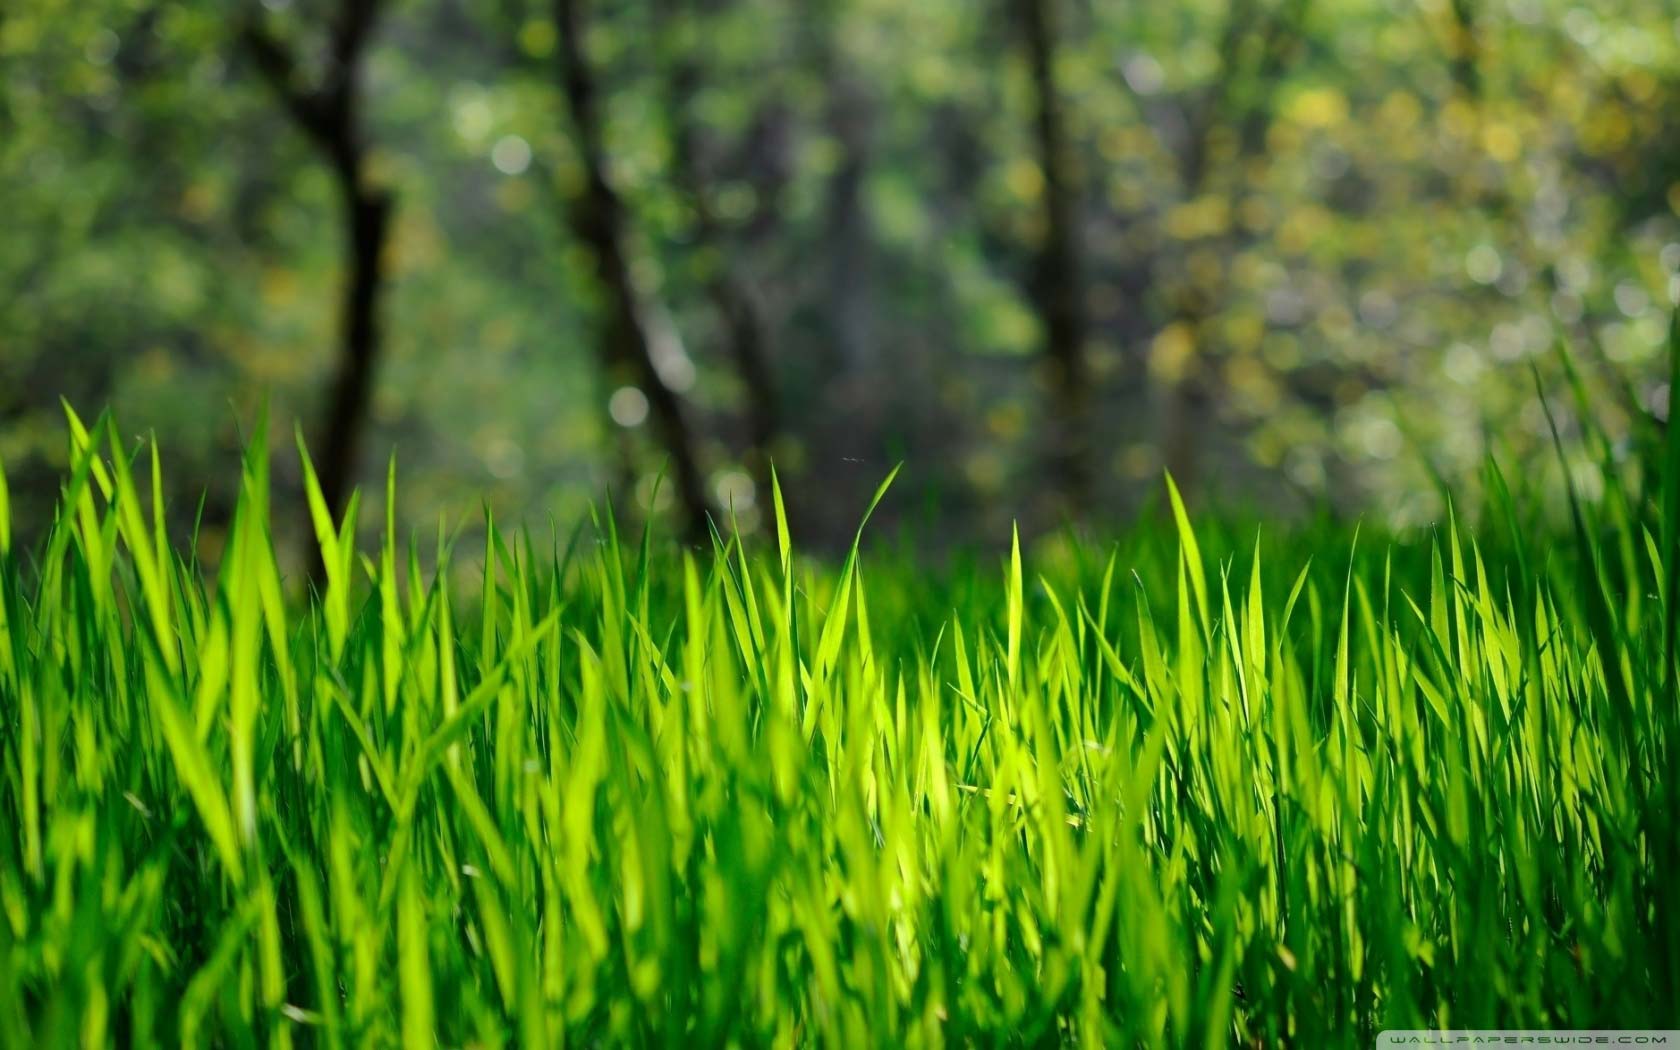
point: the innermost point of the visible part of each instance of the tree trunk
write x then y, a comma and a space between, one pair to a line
749, 342
598, 220
846, 224
1193, 396
1058, 287
367, 222
732, 295
330, 116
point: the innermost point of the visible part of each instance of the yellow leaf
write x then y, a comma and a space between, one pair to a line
1023, 180
1172, 352
1322, 107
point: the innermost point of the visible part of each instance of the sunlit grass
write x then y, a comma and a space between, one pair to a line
1204, 785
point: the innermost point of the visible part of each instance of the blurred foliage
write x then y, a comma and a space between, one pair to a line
1392, 227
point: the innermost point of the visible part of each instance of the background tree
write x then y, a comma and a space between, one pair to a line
1058, 279
328, 107
1224, 135
736, 300
630, 332
1352, 283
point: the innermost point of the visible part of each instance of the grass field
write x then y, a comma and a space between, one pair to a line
1207, 784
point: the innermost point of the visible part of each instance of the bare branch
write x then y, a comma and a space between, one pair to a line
273, 59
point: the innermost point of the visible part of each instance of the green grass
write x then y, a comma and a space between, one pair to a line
1206, 785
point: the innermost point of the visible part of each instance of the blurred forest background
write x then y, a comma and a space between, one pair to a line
1304, 253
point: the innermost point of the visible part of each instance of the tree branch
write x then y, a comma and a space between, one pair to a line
309, 109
